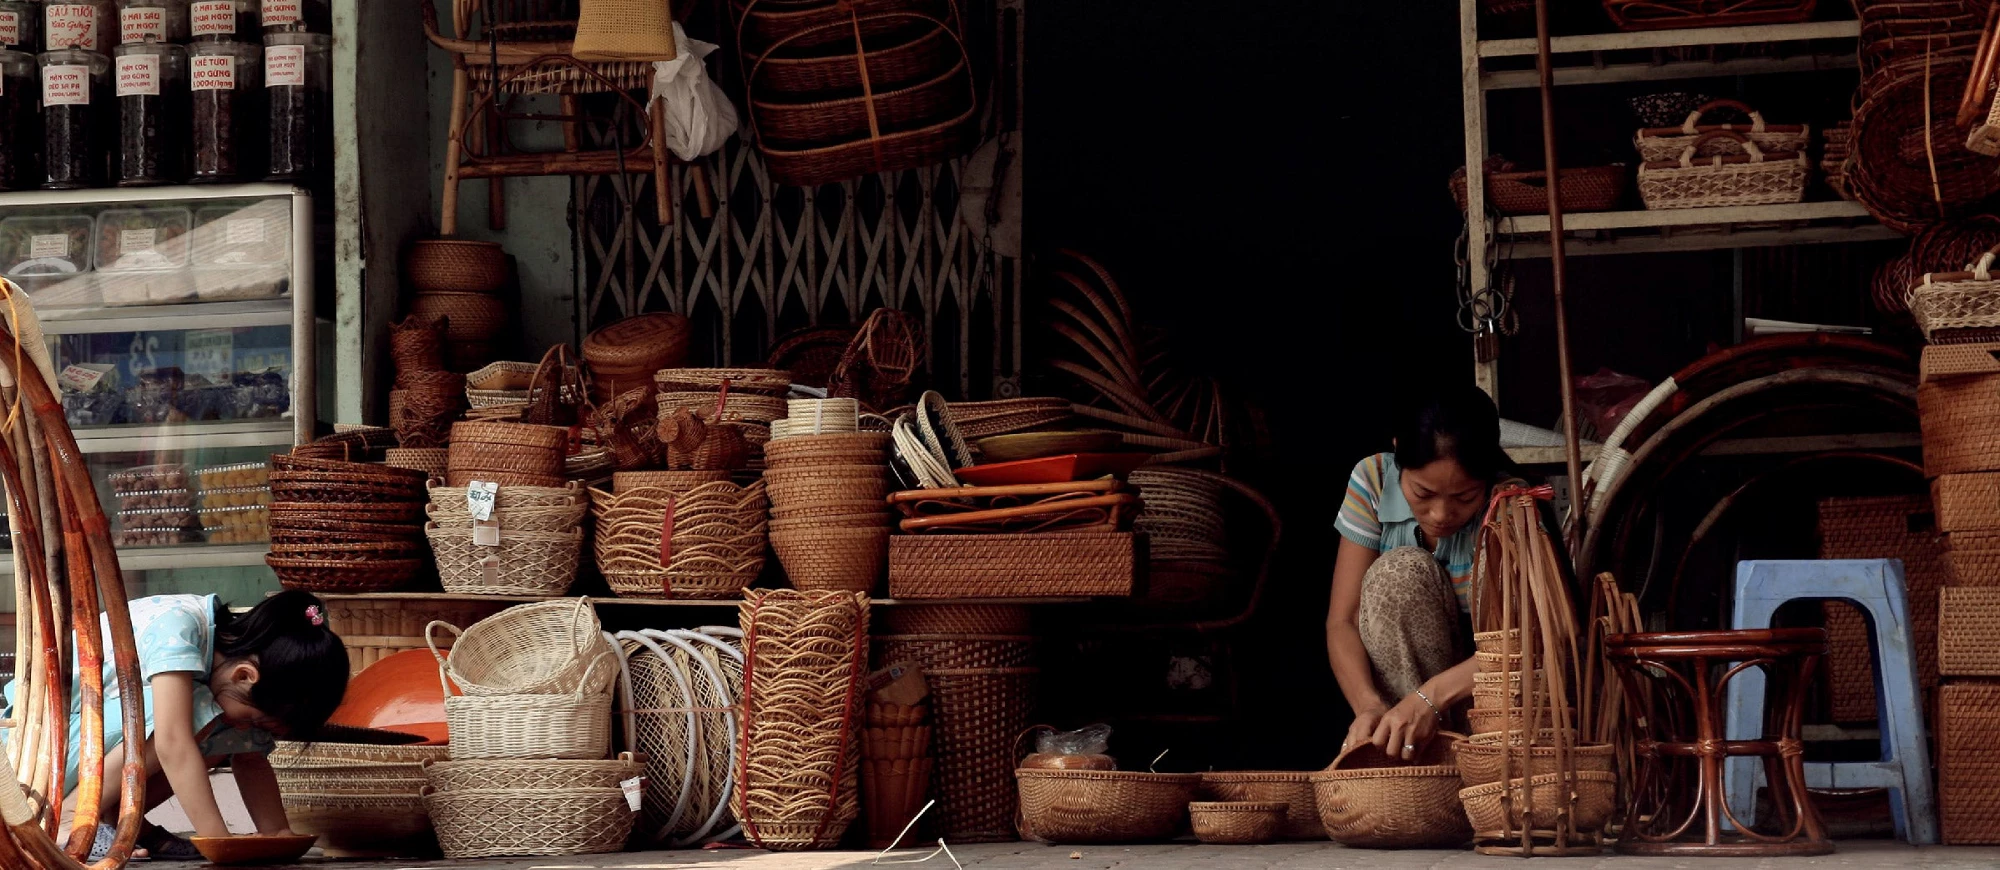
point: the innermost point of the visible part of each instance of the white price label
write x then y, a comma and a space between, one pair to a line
56, 245
634, 791
10, 28
137, 241
212, 72
139, 75
210, 353
70, 25
81, 378
285, 66
485, 534
65, 85
280, 13
244, 231
142, 24
213, 18
479, 498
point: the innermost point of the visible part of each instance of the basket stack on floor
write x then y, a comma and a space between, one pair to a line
343, 527
530, 773
896, 760
506, 540
829, 525
679, 534
459, 281
361, 801
798, 773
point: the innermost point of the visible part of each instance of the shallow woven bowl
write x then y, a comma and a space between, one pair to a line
1237, 823
456, 265
1092, 806
1383, 804
1291, 787
1595, 792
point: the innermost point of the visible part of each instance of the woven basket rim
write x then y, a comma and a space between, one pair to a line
1137, 776
1494, 788
1243, 807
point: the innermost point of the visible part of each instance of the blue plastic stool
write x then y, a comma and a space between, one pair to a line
1876, 587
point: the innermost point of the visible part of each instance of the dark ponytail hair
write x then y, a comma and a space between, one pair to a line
1457, 422
301, 663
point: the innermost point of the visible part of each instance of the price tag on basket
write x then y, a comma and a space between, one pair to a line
633, 792
479, 500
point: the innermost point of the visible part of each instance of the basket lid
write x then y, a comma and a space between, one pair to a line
654, 340
1946, 361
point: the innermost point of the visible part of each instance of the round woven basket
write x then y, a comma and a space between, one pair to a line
1237, 823
765, 382
954, 619
456, 265
548, 647
718, 545
531, 774
639, 345
417, 344
955, 651
349, 470
1493, 690
789, 495
363, 826
1292, 788
833, 509
470, 318
1492, 641
343, 576
525, 563
350, 551
978, 716
870, 520
672, 481
1105, 806
1483, 760
740, 408
844, 443
310, 525
1367, 800
429, 460
552, 518
492, 824
833, 560
523, 435
1497, 807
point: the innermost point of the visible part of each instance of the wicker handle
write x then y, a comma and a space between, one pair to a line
1694, 117
1983, 270
1749, 147
1341, 759
444, 666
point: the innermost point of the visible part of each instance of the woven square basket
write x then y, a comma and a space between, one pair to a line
1968, 620
1880, 527
1753, 178
1968, 727
1967, 502
1012, 566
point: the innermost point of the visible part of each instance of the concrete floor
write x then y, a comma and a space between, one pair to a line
1192, 856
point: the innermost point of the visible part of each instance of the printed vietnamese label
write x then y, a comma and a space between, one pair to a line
283, 13
82, 378
212, 72
65, 85
634, 789
137, 241
70, 25
142, 24
209, 353
139, 75
479, 498
10, 28
213, 18
244, 231
56, 245
285, 65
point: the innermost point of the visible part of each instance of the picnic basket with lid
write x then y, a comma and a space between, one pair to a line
1750, 178
1667, 143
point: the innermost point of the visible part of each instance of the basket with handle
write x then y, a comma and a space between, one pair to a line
575, 724
1957, 300
1369, 800
546, 647
1666, 143
1752, 178
556, 390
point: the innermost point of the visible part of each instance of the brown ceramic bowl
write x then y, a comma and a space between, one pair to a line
232, 851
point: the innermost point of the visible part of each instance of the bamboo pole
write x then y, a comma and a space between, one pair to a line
1559, 266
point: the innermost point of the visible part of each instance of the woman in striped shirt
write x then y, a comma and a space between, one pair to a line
1397, 630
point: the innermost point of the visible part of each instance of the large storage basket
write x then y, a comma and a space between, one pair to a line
538, 774
524, 563
1011, 565
573, 726
1968, 769
979, 714
1879, 527
1968, 622
799, 768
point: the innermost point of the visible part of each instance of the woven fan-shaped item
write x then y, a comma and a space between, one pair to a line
799, 774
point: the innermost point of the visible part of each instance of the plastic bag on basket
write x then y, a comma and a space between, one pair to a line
1082, 749
699, 116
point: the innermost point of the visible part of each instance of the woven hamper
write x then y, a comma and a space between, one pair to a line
1012, 565
1973, 557
798, 771
1967, 502
978, 715
1968, 727
1961, 423
1885, 527
1968, 623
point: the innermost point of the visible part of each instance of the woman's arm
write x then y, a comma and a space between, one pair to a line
1413, 720
260, 792
1343, 641
180, 754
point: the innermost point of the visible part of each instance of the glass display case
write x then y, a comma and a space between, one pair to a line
180, 321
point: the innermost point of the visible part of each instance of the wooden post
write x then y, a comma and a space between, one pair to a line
1559, 267
663, 177
453, 150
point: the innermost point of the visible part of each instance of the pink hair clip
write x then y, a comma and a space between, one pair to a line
315, 614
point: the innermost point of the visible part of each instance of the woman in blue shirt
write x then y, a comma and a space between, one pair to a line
1396, 632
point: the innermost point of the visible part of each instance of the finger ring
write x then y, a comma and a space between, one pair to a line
1409, 747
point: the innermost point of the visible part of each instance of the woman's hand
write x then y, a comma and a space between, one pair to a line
1405, 728
1365, 720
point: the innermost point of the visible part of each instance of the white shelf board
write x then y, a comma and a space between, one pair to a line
156, 318
266, 432
1709, 239
185, 556
1747, 446
1675, 38
1610, 73
1686, 217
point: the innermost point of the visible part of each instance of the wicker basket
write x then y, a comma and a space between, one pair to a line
1366, 800
1667, 143
1011, 566
1674, 14
492, 824
756, 382
638, 346
1967, 502
572, 726
1751, 179
1968, 620
943, 95
342, 576
1497, 808
1957, 417
429, 460
1292, 788
539, 774
548, 647
1236, 823
767, 21
833, 559
1482, 758
1968, 727
363, 826
525, 563
1879, 527
936, 652
455, 265
1583, 188
1974, 558
676, 482
715, 543
991, 619
1957, 300
798, 773
979, 715
1105, 806
416, 344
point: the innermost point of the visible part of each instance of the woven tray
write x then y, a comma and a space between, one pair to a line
1968, 728
1011, 566
1967, 502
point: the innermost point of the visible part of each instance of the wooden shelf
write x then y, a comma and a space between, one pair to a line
1697, 229
1674, 70
677, 602
1696, 36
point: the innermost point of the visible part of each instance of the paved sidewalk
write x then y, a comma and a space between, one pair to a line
1192, 856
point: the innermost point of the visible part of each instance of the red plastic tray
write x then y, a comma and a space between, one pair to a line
1052, 469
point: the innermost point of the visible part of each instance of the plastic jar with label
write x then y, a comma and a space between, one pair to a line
152, 21
21, 26
91, 25
223, 20
77, 113
298, 78
151, 82
20, 122
227, 79
297, 16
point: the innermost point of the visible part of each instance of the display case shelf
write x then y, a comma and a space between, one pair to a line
147, 437
192, 315
1748, 446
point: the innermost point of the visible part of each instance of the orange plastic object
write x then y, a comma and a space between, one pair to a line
398, 693
258, 849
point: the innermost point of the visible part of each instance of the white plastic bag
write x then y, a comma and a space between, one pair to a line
699, 116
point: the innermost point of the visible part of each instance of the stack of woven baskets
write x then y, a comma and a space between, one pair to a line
843, 89
529, 543
427, 397
625, 354
829, 523
529, 737
361, 801
798, 775
896, 766
1908, 161
676, 534
459, 281
1700, 165
1183, 519
979, 662
344, 527
1294, 789
509, 454
748, 398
